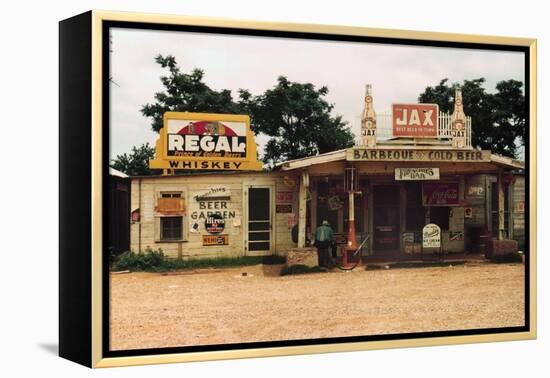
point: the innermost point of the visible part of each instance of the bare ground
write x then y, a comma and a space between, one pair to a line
150, 310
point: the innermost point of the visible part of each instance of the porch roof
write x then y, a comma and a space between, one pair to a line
498, 161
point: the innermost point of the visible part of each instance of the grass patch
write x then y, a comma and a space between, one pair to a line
506, 259
299, 269
155, 261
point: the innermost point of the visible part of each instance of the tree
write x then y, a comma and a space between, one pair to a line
186, 93
498, 119
298, 119
294, 115
137, 162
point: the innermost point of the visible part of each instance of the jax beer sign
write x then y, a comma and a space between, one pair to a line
415, 120
205, 141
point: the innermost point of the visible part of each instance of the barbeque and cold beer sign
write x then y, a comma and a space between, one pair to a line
205, 141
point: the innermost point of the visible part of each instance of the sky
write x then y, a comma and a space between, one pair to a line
397, 73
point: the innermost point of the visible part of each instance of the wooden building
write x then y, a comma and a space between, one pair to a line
413, 167
119, 209
466, 200
253, 211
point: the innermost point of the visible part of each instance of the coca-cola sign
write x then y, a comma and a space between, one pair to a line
440, 194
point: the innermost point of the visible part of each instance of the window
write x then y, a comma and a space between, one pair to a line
170, 215
170, 228
170, 195
440, 216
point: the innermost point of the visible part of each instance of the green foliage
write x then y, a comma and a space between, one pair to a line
298, 119
186, 93
296, 116
137, 162
498, 119
145, 261
155, 261
299, 269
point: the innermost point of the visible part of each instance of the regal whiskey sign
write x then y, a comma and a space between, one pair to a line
205, 141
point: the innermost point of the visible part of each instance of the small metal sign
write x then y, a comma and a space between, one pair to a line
215, 240
214, 224
416, 174
456, 236
283, 208
431, 236
440, 194
284, 197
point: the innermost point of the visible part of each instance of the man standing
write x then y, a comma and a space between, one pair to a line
323, 238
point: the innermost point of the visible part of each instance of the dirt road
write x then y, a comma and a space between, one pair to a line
212, 307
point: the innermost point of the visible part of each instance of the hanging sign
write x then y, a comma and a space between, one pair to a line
431, 236
205, 141
415, 120
416, 174
214, 224
440, 194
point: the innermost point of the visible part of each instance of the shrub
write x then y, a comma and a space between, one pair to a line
147, 260
155, 261
273, 260
299, 269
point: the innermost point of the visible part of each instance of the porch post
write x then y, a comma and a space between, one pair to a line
352, 240
302, 209
500, 188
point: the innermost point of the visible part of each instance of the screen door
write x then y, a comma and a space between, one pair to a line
259, 219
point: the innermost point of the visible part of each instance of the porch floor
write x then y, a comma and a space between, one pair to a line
419, 259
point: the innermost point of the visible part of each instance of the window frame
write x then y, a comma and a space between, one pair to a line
171, 191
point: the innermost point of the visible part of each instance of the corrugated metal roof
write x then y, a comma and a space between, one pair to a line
117, 173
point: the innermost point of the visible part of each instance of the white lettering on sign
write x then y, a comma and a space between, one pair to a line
205, 143
415, 120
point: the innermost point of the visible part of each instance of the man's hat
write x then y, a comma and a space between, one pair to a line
325, 223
